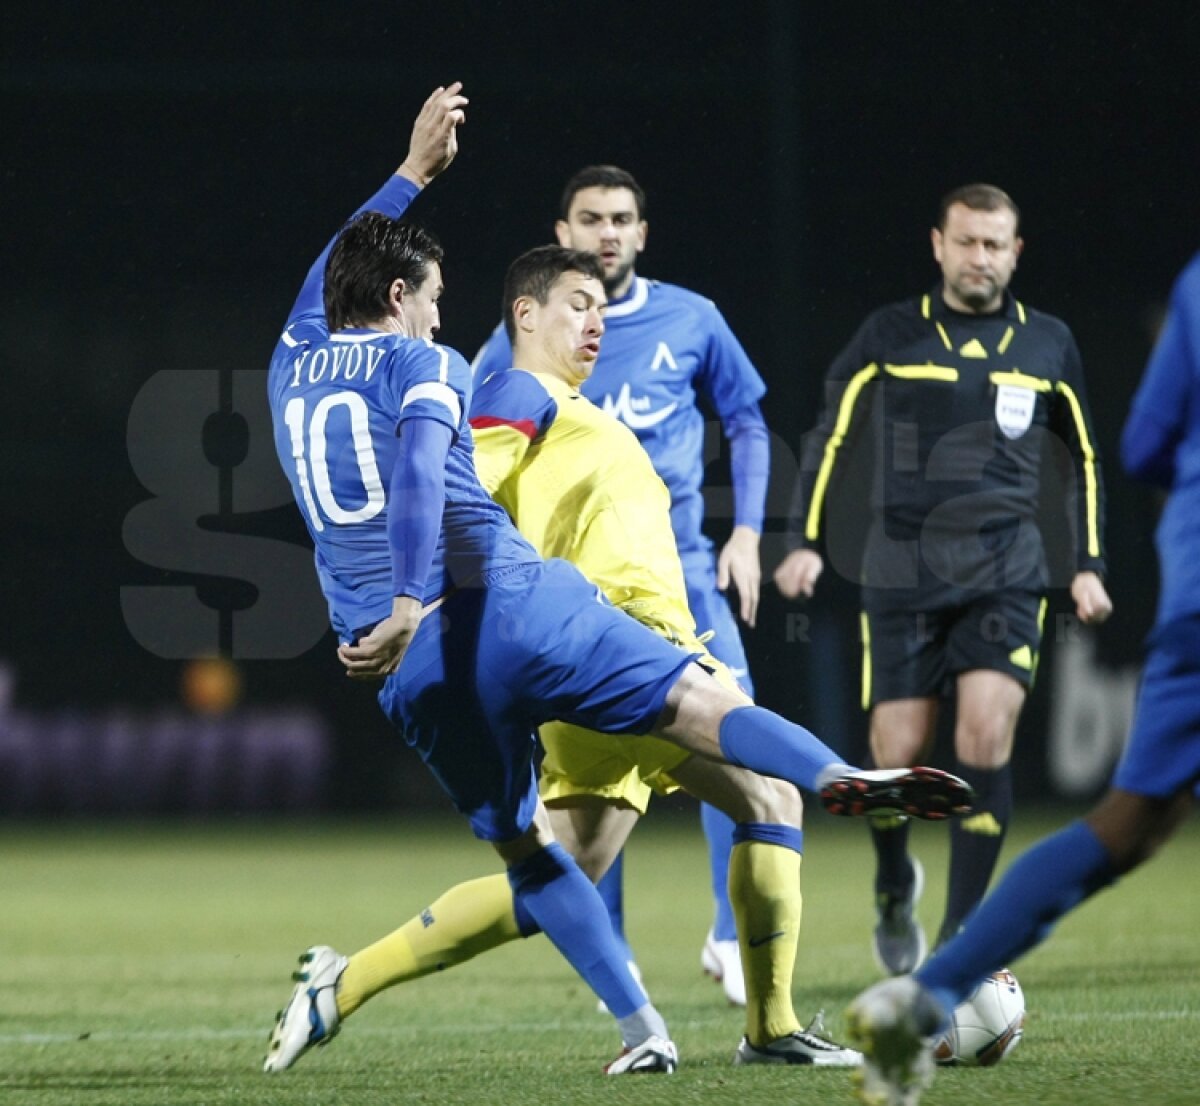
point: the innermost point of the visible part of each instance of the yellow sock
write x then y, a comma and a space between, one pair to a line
764, 888
468, 919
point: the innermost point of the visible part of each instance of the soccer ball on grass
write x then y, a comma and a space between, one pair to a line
987, 1025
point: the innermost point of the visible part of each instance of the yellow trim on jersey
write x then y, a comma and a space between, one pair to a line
1020, 310
858, 381
1008, 337
945, 337
1089, 469
1037, 653
922, 372
925, 306
1019, 379
866, 661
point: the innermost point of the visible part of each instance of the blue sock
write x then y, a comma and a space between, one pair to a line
553, 890
758, 739
1045, 882
612, 891
718, 830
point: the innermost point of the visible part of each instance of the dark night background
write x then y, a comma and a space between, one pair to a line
169, 176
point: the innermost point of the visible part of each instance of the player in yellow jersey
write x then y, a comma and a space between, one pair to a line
581, 487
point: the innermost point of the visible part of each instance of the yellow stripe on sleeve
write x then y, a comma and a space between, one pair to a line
858, 381
866, 660
1089, 470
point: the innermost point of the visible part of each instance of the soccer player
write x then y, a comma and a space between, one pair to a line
432, 589
966, 390
579, 486
667, 352
1154, 786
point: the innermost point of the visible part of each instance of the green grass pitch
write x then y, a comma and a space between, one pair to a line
143, 965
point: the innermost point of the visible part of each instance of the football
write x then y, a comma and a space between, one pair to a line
986, 1026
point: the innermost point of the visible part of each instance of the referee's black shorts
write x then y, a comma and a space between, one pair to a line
912, 652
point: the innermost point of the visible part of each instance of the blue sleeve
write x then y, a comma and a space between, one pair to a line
749, 464
430, 381
728, 379
1158, 418
416, 502
514, 399
392, 199
494, 355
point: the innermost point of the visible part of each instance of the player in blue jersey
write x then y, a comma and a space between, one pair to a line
478, 641
668, 354
1156, 782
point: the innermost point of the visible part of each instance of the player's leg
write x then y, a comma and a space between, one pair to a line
903, 671
989, 706
764, 886
901, 732
1153, 791
715, 624
705, 718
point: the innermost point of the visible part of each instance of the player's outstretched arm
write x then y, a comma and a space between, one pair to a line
434, 141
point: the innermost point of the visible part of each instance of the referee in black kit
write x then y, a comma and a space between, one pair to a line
965, 389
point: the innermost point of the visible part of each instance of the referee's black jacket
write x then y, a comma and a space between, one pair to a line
962, 410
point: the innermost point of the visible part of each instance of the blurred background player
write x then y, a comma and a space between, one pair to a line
667, 352
966, 389
1155, 784
370, 419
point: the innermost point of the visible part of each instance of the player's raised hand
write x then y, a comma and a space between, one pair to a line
379, 653
434, 141
739, 564
798, 572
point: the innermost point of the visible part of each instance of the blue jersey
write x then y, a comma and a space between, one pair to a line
1161, 443
338, 403
664, 349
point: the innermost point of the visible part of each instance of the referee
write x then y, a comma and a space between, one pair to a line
965, 392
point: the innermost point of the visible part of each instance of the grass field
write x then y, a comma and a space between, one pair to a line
143, 966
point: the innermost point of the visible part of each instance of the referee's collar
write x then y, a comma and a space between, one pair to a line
934, 306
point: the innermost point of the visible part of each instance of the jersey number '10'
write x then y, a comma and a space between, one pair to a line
316, 463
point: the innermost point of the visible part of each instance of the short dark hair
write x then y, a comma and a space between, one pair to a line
602, 176
373, 250
534, 273
978, 197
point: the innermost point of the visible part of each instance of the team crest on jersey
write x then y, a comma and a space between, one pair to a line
1014, 409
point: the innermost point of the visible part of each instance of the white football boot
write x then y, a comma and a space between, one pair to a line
655, 1055
723, 961
310, 1018
805, 1046
893, 1023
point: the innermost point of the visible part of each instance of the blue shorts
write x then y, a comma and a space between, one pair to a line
710, 608
493, 663
1162, 757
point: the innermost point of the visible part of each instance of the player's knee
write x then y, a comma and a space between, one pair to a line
770, 800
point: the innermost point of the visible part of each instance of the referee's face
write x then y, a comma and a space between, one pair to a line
978, 252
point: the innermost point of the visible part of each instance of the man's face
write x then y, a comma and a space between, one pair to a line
568, 326
419, 304
604, 221
978, 252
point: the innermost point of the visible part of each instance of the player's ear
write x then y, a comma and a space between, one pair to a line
524, 313
643, 230
396, 292
1018, 246
562, 232
935, 236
